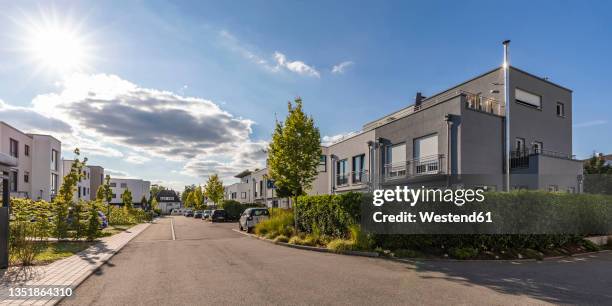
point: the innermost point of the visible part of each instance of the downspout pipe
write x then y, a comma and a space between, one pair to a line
506, 66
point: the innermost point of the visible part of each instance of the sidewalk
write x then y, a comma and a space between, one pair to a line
65, 273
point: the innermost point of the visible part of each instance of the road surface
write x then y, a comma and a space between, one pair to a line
206, 263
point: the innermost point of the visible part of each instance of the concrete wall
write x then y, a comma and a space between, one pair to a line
41, 166
96, 179
346, 149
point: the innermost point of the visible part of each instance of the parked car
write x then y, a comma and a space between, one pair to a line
206, 214
197, 214
218, 215
188, 213
251, 216
103, 220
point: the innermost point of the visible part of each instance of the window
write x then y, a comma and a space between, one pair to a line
553, 188
527, 98
519, 144
537, 147
26, 150
358, 168
26, 177
13, 181
79, 192
341, 169
243, 195
54, 160
114, 195
560, 109
113, 184
396, 160
322, 163
261, 188
425, 155
54, 183
123, 185
14, 148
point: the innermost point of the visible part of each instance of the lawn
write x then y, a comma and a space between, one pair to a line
52, 251
115, 229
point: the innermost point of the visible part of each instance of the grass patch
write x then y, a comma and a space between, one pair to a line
52, 251
114, 229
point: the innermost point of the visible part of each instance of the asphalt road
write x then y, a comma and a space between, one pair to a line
211, 264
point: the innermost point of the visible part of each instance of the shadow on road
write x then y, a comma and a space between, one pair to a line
581, 280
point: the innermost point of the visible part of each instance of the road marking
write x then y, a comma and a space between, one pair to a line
172, 226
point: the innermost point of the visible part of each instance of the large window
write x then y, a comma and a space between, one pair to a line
341, 173
243, 195
425, 155
14, 148
358, 168
54, 160
396, 160
26, 150
527, 98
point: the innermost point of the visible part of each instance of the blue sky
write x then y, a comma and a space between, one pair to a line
241, 61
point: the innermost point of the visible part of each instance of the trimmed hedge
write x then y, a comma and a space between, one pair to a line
330, 214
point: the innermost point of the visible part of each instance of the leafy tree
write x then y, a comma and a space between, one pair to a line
155, 189
294, 153
64, 199
214, 189
154, 204
186, 192
598, 175
126, 197
189, 202
198, 198
597, 165
143, 203
93, 222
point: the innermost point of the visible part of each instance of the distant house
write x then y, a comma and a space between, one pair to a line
167, 200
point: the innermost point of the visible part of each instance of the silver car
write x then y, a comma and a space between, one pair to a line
251, 216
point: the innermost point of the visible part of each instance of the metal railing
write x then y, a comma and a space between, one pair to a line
419, 166
484, 104
520, 158
359, 177
342, 179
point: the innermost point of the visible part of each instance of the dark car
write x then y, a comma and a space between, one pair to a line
218, 215
197, 214
188, 213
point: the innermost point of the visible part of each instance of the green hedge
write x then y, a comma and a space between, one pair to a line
330, 214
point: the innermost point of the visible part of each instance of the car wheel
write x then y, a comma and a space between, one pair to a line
249, 229
240, 226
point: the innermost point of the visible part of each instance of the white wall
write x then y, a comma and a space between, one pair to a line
137, 187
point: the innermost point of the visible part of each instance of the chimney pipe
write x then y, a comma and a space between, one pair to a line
418, 98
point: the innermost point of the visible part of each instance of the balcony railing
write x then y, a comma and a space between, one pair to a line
520, 158
484, 104
342, 179
415, 167
359, 177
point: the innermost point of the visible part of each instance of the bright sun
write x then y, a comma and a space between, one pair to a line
57, 49
56, 46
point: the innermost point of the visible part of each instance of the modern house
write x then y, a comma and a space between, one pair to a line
455, 138
38, 173
139, 188
93, 177
167, 200
255, 187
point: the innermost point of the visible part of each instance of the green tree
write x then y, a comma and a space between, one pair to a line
143, 203
597, 165
155, 189
105, 194
294, 153
214, 189
188, 189
198, 198
126, 197
154, 204
63, 202
189, 201
93, 221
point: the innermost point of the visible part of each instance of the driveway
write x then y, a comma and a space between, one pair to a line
211, 264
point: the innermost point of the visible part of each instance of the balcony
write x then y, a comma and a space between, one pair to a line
342, 179
520, 159
416, 167
483, 104
359, 177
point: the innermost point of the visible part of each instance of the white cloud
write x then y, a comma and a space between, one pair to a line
329, 140
137, 159
339, 68
591, 123
115, 173
298, 67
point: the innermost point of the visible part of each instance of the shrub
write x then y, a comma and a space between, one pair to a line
279, 223
361, 240
281, 238
339, 245
405, 253
331, 214
93, 222
464, 253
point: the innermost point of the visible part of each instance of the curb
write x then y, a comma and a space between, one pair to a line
414, 260
85, 276
311, 248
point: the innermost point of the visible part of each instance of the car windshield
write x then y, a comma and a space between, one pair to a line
260, 212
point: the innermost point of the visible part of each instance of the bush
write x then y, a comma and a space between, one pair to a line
281, 238
339, 245
464, 253
331, 214
279, 223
